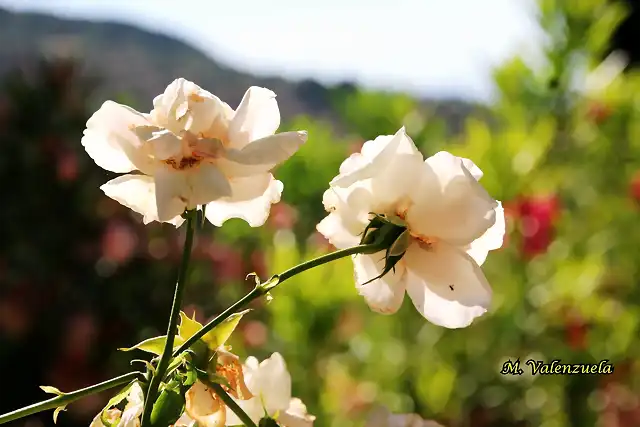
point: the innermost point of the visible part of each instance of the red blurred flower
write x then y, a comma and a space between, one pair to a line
576, 333
67, 166
598, 112
634, 187
537, 216
258, 263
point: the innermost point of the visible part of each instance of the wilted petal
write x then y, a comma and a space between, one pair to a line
110, 141
376, 156
296, 415
446, 285
204, 406
383, 295
138, 193
230, 368
491, 240
251, 199
449, 203
257, 117
262, 155
171, 193
207, 184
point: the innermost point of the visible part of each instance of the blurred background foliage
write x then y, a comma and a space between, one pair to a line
80, 276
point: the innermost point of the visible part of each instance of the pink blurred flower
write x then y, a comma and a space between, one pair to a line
283, 216
119, 241
228, 264
255, 334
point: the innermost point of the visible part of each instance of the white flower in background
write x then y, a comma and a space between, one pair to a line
270, 383
453, 224
130, 416
191, 150
604, 74
381, 417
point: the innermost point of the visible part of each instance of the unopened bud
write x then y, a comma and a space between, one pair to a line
388, 233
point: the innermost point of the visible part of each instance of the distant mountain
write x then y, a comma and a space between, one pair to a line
140, 64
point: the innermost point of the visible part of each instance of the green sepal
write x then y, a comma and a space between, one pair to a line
267, 422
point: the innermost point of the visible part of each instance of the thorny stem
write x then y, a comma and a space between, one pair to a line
67, 398
172, 329
260, 290
263, 288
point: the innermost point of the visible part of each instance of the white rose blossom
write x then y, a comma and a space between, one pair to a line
270, 383
130, 416
193, 149
453, 224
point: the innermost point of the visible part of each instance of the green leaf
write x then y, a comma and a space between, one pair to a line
188, 327
51, 390
57, 412
221, 333
154, 345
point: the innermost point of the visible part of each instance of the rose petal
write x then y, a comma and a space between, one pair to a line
257, 117
138, 193
383, 295
446, 285
171, 193
110, 141
262, 155
449, 203
491, 240
251, 199
203, 407
376, 155
207, 184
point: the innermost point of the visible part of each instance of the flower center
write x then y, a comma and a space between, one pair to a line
195, 149
184, 162
425, 242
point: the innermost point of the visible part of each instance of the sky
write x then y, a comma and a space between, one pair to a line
434, 48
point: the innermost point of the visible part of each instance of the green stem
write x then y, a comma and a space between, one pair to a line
260, 290
68, 398
246, 420
172, 329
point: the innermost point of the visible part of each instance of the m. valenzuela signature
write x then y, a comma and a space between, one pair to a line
556, 367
